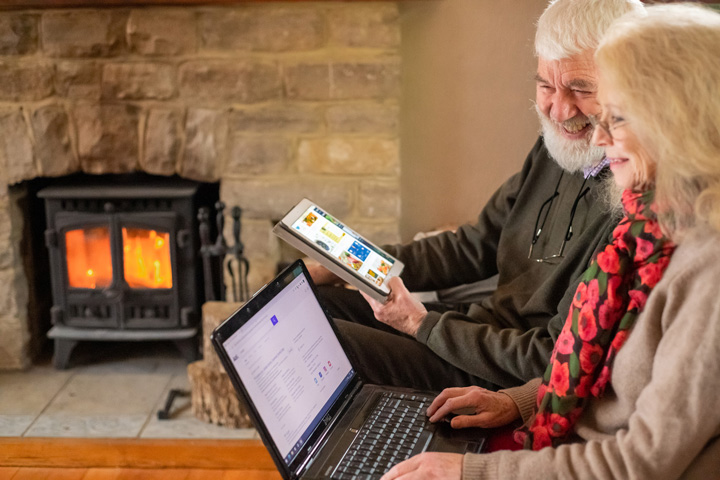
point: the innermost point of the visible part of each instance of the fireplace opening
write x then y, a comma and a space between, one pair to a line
123, 258
34, 263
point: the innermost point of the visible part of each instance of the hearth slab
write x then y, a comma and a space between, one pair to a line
15, 425
88, 426
28, 393
117, 395
183, 424
129, 358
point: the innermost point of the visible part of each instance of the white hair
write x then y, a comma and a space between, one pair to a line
569, 27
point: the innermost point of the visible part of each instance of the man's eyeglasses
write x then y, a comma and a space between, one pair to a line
553, 259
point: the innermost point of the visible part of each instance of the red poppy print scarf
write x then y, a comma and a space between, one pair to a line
611, 294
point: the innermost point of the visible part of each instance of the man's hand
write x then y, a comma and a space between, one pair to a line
321, 275
428, 466
491, 409
401, 310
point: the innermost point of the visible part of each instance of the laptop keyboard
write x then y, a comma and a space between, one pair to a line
387, 437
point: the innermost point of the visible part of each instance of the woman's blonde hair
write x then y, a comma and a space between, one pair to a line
664, 68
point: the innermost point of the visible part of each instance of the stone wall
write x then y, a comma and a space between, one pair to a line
275, 101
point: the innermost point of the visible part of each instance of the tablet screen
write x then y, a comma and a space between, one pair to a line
348, 247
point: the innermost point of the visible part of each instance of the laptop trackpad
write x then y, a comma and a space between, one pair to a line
462, 440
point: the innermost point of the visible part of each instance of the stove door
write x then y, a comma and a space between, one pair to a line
149, 269
84, 256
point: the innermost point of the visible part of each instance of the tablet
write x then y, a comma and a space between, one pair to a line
324, 238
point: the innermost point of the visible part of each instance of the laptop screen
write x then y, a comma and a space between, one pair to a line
291, 364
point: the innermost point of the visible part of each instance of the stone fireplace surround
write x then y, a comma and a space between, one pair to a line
275, 101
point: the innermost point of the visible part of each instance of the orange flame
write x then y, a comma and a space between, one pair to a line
89, 261
146, 258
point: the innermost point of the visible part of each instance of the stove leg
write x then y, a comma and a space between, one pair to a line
188, 348
63, 350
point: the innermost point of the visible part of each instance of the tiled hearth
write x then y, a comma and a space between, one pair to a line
115, 396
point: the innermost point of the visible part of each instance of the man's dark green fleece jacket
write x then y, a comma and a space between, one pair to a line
507, 339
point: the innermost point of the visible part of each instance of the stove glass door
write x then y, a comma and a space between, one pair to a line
89, 258
146, 258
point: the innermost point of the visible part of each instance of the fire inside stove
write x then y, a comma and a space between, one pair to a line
146, 258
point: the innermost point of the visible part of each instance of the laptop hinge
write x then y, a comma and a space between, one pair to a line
312, 450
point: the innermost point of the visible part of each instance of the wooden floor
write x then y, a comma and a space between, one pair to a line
42, 473
134, 459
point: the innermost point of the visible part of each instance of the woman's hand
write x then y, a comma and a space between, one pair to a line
428, 466
480, 408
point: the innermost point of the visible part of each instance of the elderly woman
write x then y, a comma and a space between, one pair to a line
627, 395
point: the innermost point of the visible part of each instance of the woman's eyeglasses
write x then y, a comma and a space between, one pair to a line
553, 259
605, 126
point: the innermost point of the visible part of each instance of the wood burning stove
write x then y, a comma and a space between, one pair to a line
123, 263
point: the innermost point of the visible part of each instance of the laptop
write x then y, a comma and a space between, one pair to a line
314, 414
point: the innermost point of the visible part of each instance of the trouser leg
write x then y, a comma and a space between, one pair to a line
387, 358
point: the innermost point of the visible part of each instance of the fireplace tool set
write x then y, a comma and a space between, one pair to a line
218, 256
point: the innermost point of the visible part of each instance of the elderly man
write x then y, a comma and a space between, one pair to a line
537, 233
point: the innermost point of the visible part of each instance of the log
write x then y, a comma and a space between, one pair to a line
213, 398
213, 314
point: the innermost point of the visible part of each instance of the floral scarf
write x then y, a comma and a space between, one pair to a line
611, 294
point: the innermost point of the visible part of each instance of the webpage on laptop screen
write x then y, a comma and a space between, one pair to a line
344, 244
291, 364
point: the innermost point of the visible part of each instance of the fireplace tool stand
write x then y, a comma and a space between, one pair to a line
217, 257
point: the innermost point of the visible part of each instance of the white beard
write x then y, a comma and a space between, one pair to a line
571, 155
